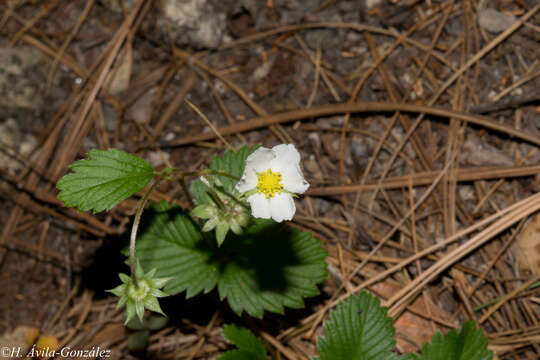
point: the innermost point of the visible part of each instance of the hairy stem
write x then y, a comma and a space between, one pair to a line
136, 221
222, 173
185, 189
213, 194
205, 172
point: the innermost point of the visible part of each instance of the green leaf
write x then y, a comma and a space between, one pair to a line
468, 343
157, 322
136, 324
103, 180
408, 357
238, 355
269, 267
392, 357
358, 329
232, 163
249, 346
171, 243
138, 340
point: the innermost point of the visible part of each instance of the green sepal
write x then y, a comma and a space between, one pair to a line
143, 295
210, 224
221, 231
204, 211
126, 279
250, 192
118, 291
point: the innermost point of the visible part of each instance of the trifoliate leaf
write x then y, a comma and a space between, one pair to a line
249, 346
358, 329
268, 267
231, 163
469, 343
103, 180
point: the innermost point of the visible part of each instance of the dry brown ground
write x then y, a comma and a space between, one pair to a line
418, 124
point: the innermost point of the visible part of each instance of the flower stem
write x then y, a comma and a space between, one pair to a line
222, 173
185, 189
213, 194
175, 174
135, 227
170, 174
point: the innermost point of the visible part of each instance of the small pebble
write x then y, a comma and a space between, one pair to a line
495, 21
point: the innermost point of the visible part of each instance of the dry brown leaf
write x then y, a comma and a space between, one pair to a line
415, 327
527, 246
110, 334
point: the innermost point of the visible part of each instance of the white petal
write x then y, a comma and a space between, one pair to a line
282, 207
260, 206
248, 180
260, 159
293, 180
285, 155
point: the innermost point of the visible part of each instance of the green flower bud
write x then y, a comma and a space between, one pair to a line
210, 224
242, 219
223, 212
221, 231
204, 211
236, 228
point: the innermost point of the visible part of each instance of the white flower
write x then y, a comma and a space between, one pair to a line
270, 180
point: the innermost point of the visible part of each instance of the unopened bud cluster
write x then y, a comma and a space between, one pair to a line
223, 212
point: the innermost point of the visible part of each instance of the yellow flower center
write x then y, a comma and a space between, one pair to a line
269, 183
